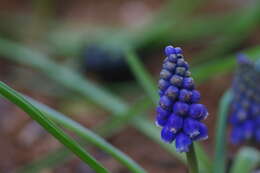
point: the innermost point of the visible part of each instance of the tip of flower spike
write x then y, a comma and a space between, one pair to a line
169, 50
178, 50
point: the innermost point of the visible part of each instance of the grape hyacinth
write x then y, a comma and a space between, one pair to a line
179, 112
245, 106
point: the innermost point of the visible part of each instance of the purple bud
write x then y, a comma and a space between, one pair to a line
255, 109
175, 123
188, 83
176, 80
169, 66
166, 102
191, 127
167, 135
195, 98
163, 112
233, 119
163, 84
242, 59
161, 93
257, 134
180, 71
169, 50
182, 143
257, 121
178, 50
172, 92
188, 74
165, 74
161, 121
181, 108
182, 63
203, 133
185, 95
241, 114
237, 135
248, 128
198, 111
173, 58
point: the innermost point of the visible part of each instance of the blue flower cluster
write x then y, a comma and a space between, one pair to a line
179, 112
245, 106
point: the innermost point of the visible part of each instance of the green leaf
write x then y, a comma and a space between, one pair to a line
246, 160
219, 165
48, 125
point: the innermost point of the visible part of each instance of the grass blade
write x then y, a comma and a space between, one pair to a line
117, 123
62, 75
246, 160
219, 165
142, 76
48, 125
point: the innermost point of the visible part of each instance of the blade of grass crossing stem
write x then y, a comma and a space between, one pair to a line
48, 125
219, 165
142, 76
246, 160
107, 130
88, 136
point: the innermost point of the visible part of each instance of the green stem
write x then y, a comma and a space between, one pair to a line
192, 160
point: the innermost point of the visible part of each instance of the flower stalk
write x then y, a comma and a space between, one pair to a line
192, 160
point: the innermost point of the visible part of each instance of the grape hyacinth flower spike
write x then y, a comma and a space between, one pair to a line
179, 112
245, 106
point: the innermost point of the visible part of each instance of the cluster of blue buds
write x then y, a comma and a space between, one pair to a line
245, 106
179, 112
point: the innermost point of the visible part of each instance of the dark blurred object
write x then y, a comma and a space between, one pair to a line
107, 63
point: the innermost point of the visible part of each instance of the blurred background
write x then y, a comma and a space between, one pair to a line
91, 39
